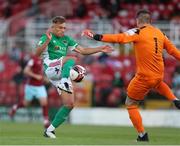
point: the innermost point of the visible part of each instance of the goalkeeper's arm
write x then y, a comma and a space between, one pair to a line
111, 38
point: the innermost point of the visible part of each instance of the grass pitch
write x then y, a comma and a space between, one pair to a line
12, 133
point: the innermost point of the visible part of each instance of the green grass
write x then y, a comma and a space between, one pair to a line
12, 133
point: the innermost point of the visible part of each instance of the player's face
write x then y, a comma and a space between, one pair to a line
59, 29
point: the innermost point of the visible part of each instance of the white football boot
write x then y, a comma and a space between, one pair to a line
65, 85
49, 134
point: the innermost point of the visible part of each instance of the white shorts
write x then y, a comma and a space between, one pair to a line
54, 68
53, 71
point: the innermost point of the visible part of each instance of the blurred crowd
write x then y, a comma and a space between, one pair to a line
161, 9
121, 10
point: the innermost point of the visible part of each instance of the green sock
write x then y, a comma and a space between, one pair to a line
61, 116
66, 68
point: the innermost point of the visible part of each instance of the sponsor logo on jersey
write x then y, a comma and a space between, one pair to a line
60, 48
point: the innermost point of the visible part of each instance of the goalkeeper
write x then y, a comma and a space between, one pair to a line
149, 43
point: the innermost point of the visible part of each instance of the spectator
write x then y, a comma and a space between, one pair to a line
81, 10
7, 10
15, 53
118, 95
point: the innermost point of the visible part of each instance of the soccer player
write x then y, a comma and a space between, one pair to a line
53, 46
34, 88
149, 43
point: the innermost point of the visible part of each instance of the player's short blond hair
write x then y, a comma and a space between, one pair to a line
59, 19
144, 16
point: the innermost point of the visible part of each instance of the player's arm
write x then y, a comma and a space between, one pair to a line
171, 49
88, 51
28, 71
74, 46
126, 37
41, 48
43, 43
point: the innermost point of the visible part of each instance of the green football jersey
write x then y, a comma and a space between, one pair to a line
57, 47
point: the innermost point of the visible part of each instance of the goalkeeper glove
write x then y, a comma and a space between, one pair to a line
88, 33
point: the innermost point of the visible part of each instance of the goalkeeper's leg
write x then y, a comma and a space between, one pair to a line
136, 91
164, 90
136, 119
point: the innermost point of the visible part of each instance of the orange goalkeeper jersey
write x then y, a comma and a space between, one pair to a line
149, 43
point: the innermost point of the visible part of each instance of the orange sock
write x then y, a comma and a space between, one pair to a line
164, 90
135, 118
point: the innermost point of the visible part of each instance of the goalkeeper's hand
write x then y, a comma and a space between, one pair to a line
88, 33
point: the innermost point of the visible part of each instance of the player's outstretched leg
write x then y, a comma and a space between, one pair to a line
164, 90
65, 83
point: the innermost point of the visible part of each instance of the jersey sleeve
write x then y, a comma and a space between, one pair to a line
126, 37
30, 63
72, 44
171, 49
42, 40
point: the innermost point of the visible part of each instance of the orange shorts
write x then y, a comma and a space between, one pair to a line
140, 86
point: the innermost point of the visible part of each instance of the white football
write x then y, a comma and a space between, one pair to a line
77, 73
